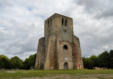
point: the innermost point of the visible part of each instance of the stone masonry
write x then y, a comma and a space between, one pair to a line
59, 48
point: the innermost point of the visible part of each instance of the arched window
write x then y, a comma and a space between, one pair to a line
65, 22
65, 47
62, 21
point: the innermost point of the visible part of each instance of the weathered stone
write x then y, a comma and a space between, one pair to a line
40, 58
59, 49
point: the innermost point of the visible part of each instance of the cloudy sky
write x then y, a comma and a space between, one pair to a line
22, 24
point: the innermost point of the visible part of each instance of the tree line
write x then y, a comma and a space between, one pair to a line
16, 63
103, 60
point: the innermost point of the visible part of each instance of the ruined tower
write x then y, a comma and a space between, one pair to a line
59, 48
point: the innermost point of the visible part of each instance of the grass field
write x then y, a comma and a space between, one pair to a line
56, 74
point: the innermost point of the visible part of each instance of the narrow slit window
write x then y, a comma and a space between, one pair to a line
48, 22
66, 22
62, 21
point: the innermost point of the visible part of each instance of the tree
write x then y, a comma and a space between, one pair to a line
111, 59
4, 62
103, 59
94, 60
30, 62
88, 63
16, 63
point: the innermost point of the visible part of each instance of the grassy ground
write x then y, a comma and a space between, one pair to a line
57, 74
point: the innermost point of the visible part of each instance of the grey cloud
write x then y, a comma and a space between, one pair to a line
101, 8
106, 14
21, 28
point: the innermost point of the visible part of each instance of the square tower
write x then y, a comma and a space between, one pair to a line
59, 25
59, 48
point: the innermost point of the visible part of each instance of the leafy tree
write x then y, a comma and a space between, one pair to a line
30, 62
111, 59
94, 60
88, 63
16, 63
103, 59
4, 62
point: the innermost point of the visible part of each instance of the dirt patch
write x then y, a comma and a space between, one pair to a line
94, 76
11, 71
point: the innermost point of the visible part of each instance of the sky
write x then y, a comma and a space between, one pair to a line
22, 24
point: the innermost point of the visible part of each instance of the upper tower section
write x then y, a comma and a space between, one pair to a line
57, 23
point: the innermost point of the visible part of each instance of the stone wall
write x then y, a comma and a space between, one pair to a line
59, 49
40, 58
77, 53
50, 62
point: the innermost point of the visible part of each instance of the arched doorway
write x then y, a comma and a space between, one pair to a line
65, 65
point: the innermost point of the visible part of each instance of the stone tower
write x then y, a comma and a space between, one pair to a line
59, 48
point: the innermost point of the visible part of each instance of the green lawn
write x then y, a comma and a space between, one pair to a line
17, 74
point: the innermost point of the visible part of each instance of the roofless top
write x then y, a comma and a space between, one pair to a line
56, 15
